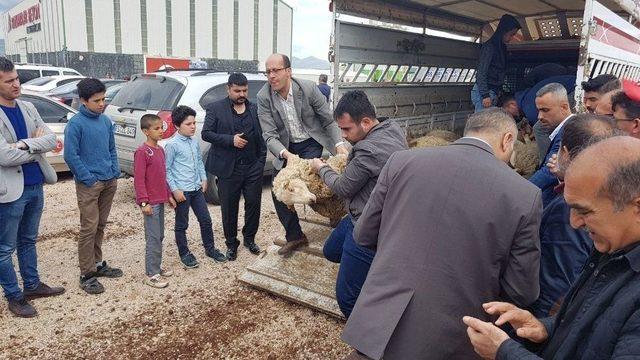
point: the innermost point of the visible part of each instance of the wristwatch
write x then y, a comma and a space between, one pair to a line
144, 204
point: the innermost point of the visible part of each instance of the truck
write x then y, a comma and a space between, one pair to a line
416, 60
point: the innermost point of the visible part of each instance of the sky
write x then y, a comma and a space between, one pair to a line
311, 26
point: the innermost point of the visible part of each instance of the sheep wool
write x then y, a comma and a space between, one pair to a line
428, 141
525, 157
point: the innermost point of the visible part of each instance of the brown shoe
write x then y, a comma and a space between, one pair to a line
22, 308
290, 246
355, 355
43, 290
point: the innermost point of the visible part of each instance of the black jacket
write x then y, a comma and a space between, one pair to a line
492, 64
218, 130
601, 322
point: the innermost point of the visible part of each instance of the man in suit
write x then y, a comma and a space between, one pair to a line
24, 139
553, 112
451, 226
237, 158
295, 119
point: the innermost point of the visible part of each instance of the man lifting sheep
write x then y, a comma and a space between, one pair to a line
295, 119
373, 143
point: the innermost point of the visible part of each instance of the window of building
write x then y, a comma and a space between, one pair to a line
88, 14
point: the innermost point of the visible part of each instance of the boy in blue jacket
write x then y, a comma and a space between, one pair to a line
90, 152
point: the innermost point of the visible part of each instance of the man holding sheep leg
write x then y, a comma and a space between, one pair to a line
373, 143
295, 119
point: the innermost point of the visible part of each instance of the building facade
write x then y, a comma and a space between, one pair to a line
112, 34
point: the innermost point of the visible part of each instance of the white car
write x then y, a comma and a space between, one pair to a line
55, 115
48, 83
159, 93
28, 72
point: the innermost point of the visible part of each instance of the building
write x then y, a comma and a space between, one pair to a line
116, 37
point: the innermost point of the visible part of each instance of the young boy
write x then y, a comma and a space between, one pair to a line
188, 182
152, 191
90, 152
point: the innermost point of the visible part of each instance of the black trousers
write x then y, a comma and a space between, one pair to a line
308, 149
246, 180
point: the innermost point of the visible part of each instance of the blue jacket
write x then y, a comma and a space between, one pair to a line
564, 251
606, 325
90, 147
543, 178
527, 98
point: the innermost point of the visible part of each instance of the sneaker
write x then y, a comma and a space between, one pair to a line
189, 261
22, 308
156, 281
105, 270
166, 272
90, 284
43, 290
216, 255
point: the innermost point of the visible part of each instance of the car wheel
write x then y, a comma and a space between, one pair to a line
211, 195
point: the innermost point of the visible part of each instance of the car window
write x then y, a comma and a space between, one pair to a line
113, 90
39, 81
70, 87
70, 73
220, 91
26, 75
149, 93
65, 81
49, 111
50, 72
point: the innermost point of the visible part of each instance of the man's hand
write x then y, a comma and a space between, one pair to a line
486, 102
552, 164
203, 185
317, 164
342, 150
147, 210
172, 203
239, 142
286, 154
485, 337
179, 196
38, 132
525, 324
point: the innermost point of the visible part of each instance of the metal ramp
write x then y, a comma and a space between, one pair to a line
305, 277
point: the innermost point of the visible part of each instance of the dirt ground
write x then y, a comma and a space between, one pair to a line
205, 313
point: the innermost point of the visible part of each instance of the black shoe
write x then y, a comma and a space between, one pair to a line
253, 248
90, 284
22, 308
216, 255
189, 261
105, 270
232, 254
43, 290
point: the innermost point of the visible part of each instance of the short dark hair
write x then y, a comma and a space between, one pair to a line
237, 79
323, 78
505, 98
356, 104
602, 84
90, 86
181, 113
490, 120
147, 119
286, 62
630, 106
6, 65
583, 130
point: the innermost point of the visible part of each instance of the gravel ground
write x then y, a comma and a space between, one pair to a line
204, 313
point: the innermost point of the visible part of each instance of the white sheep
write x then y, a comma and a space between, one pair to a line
297, 183
525, 158
437, 137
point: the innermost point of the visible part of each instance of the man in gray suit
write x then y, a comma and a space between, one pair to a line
24, 139
453, 227
295, 119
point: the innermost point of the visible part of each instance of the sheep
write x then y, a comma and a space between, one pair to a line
444, 134
297, 183
428, 141
525, 157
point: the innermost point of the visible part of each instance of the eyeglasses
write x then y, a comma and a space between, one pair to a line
616, 119
274, 71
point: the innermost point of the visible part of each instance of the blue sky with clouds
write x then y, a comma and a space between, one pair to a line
311, 26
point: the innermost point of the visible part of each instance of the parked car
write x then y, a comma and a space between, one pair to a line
48, 83
112, 91
159, 93
55, 115
68, 93
28, 72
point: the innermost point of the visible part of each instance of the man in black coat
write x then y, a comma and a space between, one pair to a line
237, 157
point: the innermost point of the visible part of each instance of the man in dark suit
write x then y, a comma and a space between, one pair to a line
295, 119
451, 226
237, 158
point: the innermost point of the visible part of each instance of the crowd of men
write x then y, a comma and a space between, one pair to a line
444, 253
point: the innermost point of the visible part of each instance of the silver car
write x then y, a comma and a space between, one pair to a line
158, 93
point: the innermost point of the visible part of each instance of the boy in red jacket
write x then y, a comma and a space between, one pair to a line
152, 191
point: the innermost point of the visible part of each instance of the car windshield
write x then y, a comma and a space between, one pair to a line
66, 88
149, 93
39, 81
113, 90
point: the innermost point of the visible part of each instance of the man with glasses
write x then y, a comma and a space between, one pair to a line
626, 109
295, 119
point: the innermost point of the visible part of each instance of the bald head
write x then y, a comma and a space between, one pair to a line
278, 69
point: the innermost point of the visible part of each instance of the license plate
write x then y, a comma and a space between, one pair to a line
125, 130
